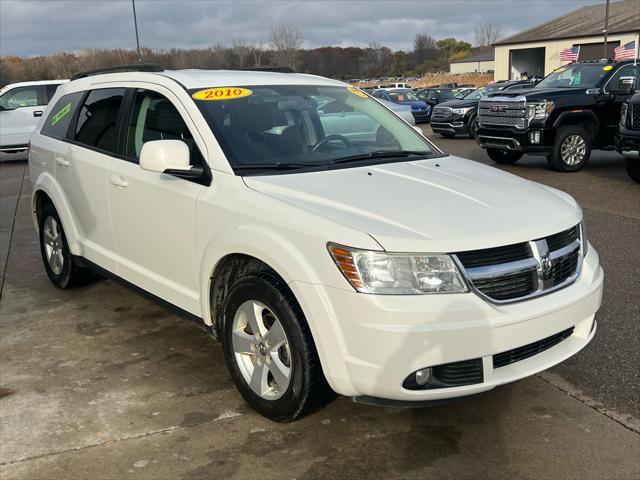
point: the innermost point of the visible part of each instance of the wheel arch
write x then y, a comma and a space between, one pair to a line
46, 189
585, 118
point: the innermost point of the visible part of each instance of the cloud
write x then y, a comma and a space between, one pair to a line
40, 27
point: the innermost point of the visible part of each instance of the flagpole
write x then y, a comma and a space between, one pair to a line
606, 27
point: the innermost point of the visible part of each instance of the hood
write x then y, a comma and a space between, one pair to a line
445, 204
461, 103
541, 93
414, 104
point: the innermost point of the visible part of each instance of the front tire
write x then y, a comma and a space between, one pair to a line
269, 350
633, 168
571, 149
61, 267
473, 127
504, 157
447, 135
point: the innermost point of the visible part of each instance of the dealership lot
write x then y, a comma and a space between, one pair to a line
99, 382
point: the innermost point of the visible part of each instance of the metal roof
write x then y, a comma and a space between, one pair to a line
624, 16
483, 57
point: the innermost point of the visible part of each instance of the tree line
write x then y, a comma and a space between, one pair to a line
284, 48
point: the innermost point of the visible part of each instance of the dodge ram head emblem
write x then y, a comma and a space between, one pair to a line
546, 267
498, 108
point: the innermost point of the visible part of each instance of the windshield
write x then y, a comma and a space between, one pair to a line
296, 126
575, 76
402, 96
449, 94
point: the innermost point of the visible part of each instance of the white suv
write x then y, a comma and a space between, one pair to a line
329, 252
21, 106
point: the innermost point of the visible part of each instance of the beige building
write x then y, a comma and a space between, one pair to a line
477, 63
537, 50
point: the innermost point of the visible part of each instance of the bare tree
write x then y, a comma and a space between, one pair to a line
257, 51
219, 54
241, 48
486, 34
424, 48
286, 40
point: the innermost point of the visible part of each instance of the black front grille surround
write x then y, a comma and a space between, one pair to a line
524, 270
515, 355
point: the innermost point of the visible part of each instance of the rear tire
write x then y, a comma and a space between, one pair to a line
571, 149
504, 157
633, 168
59, 263
276, 369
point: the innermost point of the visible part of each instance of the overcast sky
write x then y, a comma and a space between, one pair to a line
39, 27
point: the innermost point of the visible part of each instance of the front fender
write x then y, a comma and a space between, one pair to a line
45, 182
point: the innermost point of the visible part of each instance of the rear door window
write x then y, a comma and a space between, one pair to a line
59, 117
97, 125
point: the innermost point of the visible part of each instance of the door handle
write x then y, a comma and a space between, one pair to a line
62, 162
37, 113
118, 181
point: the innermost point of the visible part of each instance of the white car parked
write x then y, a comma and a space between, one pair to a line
21, 106
367, 263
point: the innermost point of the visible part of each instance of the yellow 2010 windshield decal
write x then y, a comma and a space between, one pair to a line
56, 118
358, 92
222, 93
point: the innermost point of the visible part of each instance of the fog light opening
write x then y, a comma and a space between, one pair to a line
535, 136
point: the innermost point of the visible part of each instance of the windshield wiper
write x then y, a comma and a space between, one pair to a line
276, 165
378, 154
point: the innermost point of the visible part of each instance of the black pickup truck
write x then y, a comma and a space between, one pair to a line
628, 140
570, 112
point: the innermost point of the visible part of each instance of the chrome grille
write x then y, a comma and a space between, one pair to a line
523, 270
506, 114
635, 117
441, 113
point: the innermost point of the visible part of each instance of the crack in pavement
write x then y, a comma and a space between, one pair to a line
221, 417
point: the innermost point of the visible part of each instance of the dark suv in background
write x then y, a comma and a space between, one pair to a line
459, 116
573, 110
628, 140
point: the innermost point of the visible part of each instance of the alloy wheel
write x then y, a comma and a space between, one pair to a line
261, 350
53, 245
573, 150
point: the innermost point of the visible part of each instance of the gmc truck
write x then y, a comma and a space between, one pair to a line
572, 111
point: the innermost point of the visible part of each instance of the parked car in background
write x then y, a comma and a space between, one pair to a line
367, 263
628, 139
403, 111
574, 110
434, 96
464, 91
460, 116
420, 110
21, 106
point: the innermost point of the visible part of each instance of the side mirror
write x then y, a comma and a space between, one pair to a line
168, 156
625, 86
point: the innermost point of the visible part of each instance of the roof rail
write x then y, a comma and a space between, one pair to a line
137, 67
269, 69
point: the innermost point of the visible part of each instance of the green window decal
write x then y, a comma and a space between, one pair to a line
56, 118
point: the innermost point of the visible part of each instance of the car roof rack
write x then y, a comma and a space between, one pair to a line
269, 69
136, 67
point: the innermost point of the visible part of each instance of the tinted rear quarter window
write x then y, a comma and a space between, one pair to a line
97, 125
51, 91
59, 118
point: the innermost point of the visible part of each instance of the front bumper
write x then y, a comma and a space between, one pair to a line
421, 115
516, 139
628, 143
369, 344
452, 124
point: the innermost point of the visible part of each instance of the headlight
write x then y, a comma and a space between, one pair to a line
397, 274
539, 110
623, 115
461, 111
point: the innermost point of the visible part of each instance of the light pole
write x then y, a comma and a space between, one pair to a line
606, 27
135, 24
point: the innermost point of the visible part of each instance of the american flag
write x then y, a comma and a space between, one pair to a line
569, 54
624, 52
